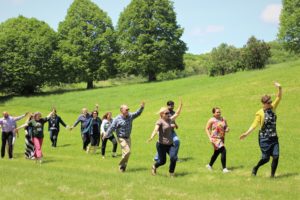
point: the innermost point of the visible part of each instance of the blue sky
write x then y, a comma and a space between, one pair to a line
207, 23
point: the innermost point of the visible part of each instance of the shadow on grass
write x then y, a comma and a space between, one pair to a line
182, 174
185, 159
236, 167
137, 169
287, 175
63, 145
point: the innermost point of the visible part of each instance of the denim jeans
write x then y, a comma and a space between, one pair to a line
163, 150
176, 144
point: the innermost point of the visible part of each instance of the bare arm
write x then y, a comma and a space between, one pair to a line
208, 128
155, 131
279, 93
178, 111
244, 135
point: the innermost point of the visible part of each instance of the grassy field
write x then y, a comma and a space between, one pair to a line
70, 173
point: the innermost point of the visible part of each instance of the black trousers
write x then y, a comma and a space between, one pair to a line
7, 136
114, 142
85, 140
162, 151
53, 137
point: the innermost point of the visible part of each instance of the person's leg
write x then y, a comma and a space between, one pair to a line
262, 161
4, 139
265, 148
176, 143
115, 145
214, 157
38, 147
173, 159
103, 147
55, 136
162, 154
126, 150
51, 137
10, 145
275, 160
223, 156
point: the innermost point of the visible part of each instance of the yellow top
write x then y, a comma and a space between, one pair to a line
260, 115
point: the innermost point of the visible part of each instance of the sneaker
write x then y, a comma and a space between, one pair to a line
122, 169
103, 157
254, 171
225, 170
153, 170
114, 154
209, 167
172, 175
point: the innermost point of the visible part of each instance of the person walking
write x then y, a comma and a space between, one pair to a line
93, 129
53, 127
8, 124
106, 122
165, 145
216, 128
176, 141
266, 118
84, 119
37, 124
122, 124
29, 146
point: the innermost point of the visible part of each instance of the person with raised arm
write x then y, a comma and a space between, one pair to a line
122, 124
266, 119
164, 127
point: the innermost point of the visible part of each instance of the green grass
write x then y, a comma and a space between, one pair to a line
69, 173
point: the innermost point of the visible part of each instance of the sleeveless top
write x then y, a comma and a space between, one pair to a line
218, 128
269, 127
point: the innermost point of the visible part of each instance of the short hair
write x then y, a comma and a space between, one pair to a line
266, 99
214, 109
170, 103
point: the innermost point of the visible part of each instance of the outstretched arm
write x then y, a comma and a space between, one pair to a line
244, 135
178, 111
155, 131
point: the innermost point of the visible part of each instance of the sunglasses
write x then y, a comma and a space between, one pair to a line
166, 113
127, 109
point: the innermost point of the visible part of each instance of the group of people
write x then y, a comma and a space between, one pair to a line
93, 129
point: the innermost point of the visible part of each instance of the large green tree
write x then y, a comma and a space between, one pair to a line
26, 55
149, 38
87, 43
255, 54
225, 59
289, 31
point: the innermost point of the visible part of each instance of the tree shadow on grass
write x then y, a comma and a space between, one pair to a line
287, 175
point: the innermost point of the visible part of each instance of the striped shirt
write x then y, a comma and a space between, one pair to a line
122, 125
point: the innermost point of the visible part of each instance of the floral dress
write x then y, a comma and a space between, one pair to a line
218, 132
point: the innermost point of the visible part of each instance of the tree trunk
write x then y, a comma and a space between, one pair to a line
89, 84
151, 76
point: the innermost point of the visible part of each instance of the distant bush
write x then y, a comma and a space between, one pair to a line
279, 54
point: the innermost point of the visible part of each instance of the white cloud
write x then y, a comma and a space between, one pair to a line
271, 13
198, 31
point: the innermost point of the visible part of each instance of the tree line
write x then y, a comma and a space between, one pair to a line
145, 42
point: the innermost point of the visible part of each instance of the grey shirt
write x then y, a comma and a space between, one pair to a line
165, 131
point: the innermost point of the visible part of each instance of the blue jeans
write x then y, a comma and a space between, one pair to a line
163, 150
176, 144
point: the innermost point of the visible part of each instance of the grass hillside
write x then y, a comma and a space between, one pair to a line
69, 173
